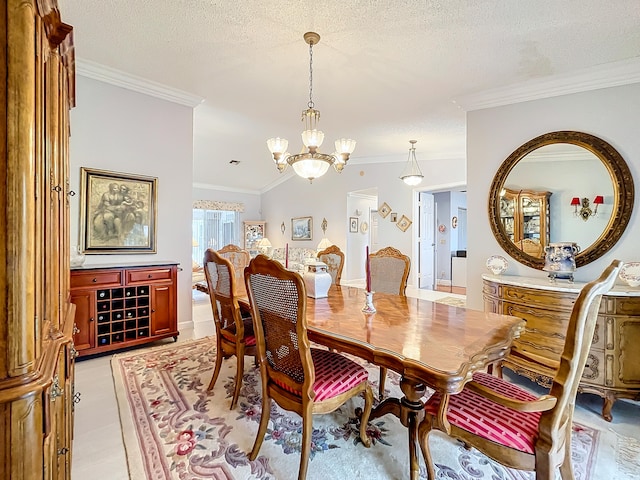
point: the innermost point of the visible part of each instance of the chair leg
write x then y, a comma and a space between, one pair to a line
239, 375
216, 369
364, 418
566, 469
424, 429
262, 429
383, 377
307, 430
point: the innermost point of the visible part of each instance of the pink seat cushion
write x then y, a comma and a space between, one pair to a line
474, 413
249, 338
335, 374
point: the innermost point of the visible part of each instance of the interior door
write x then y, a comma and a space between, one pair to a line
426, 241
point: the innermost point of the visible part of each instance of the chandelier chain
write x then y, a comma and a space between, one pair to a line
310, 104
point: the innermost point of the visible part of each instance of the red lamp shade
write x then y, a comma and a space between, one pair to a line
576, 201
599, 200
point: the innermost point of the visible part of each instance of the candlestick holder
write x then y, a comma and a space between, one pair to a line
368, 303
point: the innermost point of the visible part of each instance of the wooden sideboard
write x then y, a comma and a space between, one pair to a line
120, 306
613, 367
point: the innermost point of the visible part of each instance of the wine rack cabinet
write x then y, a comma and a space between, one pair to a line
117, 307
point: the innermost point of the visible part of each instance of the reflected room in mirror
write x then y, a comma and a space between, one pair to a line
532, 197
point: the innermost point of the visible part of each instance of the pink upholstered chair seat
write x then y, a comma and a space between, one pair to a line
335, 374
230, 332
495, 422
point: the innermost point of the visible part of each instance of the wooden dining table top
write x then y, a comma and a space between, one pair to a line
438, 344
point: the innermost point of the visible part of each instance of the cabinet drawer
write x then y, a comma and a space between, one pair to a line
148, 275
490, 288
544, 332
94, 278
545, 298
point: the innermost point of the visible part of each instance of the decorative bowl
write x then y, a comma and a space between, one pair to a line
497, 264
630, 273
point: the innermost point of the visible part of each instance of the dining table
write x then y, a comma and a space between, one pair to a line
431, 345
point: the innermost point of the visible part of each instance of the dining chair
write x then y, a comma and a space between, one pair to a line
334, 258
299, 378
389, 272
239, 258
511, 425
234, 328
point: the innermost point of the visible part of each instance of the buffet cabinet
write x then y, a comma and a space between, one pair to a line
123, 306
613, 366
36, 324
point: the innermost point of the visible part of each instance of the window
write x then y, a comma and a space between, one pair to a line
214, 229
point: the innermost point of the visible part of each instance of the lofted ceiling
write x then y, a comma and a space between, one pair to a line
384, 72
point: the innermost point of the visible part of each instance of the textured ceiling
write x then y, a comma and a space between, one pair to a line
385, 71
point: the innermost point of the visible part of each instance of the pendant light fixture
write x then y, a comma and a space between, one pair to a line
311, 163
412, 175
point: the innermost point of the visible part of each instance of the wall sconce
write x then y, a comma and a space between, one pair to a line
585, 210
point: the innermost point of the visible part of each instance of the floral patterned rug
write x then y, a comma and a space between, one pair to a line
174, 429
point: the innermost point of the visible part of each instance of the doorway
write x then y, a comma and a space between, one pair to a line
441, 241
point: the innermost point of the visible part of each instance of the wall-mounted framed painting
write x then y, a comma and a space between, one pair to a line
404, 223
118, 212
302, 228
384, 210
353, 224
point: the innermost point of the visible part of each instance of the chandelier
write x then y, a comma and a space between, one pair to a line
412, 175
310, 162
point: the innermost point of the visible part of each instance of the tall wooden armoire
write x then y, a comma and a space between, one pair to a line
36, 317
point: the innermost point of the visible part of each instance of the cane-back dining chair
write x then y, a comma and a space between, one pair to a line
234, 329
299, 378
389, 272
513, 426
334, 258
239, 259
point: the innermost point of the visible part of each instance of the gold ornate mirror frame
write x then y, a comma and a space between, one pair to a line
622, 187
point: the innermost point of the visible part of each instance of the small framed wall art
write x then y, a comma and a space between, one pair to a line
394, 217
403, 223
384, 210
302, 228
353, 224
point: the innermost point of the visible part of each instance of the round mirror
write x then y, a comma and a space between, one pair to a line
561, 187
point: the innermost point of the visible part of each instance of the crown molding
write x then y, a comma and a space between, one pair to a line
119, 78
602, 76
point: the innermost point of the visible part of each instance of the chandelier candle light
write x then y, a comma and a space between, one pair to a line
412, 175
311, 163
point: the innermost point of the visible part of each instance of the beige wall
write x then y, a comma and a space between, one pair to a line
612, 114
123, 131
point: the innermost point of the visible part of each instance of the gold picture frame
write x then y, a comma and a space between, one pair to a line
302, 228
118, 212
404, 223
384, 210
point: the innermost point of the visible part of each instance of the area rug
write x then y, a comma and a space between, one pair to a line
454, 301
174, 429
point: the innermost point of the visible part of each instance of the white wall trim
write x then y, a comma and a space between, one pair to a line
119, 78
602, 76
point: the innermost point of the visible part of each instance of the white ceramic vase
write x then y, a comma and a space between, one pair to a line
317, 280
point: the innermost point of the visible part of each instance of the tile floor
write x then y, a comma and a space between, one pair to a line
98, 448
